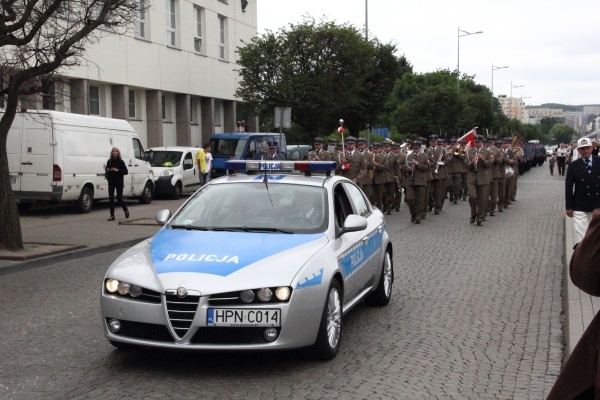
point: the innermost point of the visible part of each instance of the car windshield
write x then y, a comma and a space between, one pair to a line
163, 158
228, 147
252, 207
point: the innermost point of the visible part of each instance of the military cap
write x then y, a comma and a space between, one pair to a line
332, 141
498, 142
407, 140
423, 140
386, 144
434, 137
272, 143
462, 141
361, 140
395, 146
478, 138
452, 140
350, 139
441, 141
318, 139
376, 145
416, 144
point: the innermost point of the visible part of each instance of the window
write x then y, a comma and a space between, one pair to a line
171, 23
198, 44
218, 113
132, 104
94, 92
222, 37
356, 197
138, 149
194, 114
140, 18
164, 108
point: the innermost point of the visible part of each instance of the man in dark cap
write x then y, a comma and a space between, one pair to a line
462, 169
502, 170
318, 154
478, 180
379, 175
390, 178
497, 163
400, 164
416, 174
272, 153
352, 165
367, 181
438, 154
453, 176
334, 154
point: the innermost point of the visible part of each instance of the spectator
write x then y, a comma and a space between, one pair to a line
114, 173
208, 163
201, 163
561, 158
552, 162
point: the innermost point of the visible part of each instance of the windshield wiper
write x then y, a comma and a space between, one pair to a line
251, 229
190, 227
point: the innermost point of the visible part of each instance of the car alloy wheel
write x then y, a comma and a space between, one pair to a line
334, 317
388, 275
382, 295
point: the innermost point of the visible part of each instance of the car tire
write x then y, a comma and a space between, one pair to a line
382, 295
123, 346
86, 201
329, 337
177, 191
146, 197
24, 207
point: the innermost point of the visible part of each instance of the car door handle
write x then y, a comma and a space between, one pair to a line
135, 165
27, 163
365, 239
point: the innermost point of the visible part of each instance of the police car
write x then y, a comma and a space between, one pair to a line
265, 260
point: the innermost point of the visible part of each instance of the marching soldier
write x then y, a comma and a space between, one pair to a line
502, 179
429, 202
497, 163
400, 164
479, 162
513, 162
453, 176
318, 154
390, 178
438, 154
379, 177
463, 170
367, 182
353, 165
416, 181
334, 154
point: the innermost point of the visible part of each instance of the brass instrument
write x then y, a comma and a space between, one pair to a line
518, 151
410, 164
457, 149
439, 161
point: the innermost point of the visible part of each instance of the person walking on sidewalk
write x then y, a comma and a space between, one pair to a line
115, 171
582, 188
580, 376
551, 163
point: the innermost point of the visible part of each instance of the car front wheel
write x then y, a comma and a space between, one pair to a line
382, 295
330, 331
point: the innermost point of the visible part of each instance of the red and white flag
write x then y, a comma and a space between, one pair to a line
469, 136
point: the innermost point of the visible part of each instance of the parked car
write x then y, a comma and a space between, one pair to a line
261, 261
175, 170
61, 157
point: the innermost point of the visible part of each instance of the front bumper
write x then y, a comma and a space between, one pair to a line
163, 186
147, 324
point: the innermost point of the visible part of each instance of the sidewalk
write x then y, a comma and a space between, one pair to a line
63, 234
581, 307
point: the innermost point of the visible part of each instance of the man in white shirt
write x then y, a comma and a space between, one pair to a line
561, 159
208, 158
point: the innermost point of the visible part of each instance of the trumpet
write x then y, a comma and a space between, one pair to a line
439, 162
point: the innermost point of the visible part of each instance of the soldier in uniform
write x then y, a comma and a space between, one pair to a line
416, 174
451, 184
318, 154
400, 164
438, 154
463, 170
334, 154
379, 176
513, 162
353, 165
390, 178
429, 201
478, 180
497, 163
367, 182
272, 153
502, 171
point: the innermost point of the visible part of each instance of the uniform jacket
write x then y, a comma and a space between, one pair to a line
116, 177
390, 173
481, 175
503, 163
420, 175
582, 189
319, 155
441, 171
276, 157
432, 161
381, 166
400, 166
358, 166
581, 369
497, 162
368, 179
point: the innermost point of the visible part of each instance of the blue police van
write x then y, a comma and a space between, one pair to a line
241, 146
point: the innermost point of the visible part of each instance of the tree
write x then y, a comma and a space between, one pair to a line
38, 39
323, 70
562, 133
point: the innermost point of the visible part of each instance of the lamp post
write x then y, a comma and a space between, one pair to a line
494, 68
511, 98
366, 20
462, 33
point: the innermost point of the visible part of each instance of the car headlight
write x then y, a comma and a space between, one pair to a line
124, 288
112, 285
167, 172
264, 294
283, 293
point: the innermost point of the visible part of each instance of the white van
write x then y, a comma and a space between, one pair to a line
175, 170
61, 157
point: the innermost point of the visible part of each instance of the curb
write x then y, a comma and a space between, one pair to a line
73, 255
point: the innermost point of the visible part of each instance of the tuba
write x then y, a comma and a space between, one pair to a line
518, 151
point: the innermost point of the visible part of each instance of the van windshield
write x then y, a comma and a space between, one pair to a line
228, 147
163, 158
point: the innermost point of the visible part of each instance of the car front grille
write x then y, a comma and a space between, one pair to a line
181, 312
230, 335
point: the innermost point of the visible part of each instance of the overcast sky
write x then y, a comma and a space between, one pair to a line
552, 47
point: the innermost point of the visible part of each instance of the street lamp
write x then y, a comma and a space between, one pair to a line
494, 67
511, 98
462, 33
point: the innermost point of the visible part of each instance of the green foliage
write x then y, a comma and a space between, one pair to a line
562, 133
323, 71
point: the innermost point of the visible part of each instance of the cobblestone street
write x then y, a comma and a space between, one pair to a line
476, 313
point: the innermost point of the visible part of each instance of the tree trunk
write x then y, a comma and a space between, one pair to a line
10, 225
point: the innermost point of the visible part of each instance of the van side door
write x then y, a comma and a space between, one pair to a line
13, 150
37, 154
189, 175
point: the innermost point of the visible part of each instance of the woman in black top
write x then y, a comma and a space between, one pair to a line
115, 170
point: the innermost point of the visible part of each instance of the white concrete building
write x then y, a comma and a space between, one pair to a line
173, 76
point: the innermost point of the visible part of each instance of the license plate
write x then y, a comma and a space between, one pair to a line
243, 317
13, 180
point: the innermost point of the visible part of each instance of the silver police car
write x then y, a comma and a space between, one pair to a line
265, 260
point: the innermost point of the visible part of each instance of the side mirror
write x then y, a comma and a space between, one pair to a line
354, 223
162, 217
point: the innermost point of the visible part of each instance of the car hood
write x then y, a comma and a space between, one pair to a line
215, 262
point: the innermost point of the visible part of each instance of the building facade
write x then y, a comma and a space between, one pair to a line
173, 75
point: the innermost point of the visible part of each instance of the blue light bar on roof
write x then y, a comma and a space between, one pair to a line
282, 166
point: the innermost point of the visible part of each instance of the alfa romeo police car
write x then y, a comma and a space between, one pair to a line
264, 260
